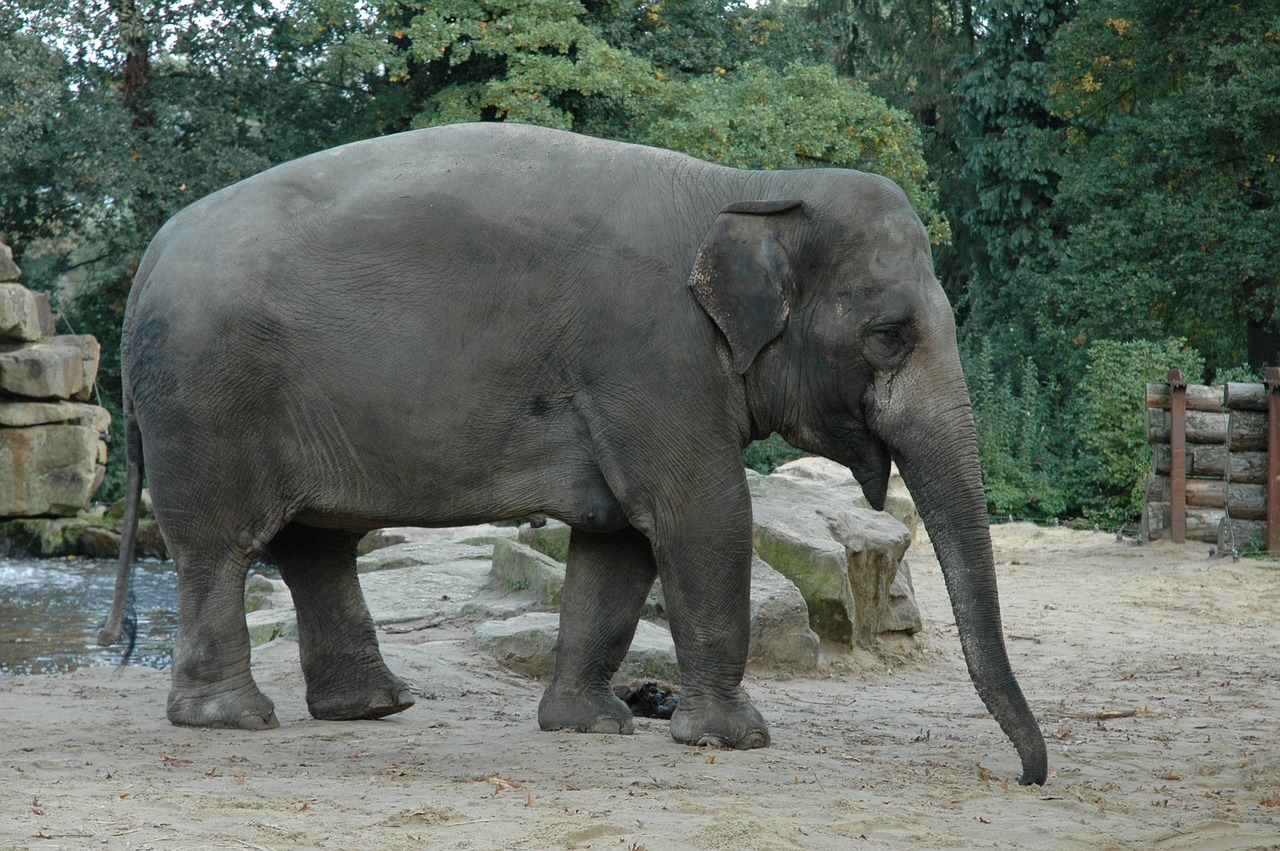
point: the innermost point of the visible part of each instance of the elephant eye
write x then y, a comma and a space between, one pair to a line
890, 343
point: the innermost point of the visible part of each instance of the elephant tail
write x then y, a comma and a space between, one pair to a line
121, 622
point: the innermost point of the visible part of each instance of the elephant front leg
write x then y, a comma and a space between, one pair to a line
708, 603
705, 566
606, 582
346, 676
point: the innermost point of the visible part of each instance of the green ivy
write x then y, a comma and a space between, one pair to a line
1113, 458
765, 456
1021, 457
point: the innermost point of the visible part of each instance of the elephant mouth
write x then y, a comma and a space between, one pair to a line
870, 466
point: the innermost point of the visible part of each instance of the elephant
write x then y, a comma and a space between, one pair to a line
488, 321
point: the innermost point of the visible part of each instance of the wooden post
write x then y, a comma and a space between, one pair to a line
1178, 455
1272, 381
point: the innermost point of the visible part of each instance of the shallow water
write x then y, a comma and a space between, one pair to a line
51, 610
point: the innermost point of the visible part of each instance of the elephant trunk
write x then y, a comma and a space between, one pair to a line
941, 470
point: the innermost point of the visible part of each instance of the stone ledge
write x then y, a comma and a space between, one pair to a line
84, 535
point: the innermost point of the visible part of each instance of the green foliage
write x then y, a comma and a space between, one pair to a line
1240, 372
118, 115
803, 115
1021, 459
697, 37
1170, 176
765, 456
1010, 141
1113, 458
519, 60
1091, 171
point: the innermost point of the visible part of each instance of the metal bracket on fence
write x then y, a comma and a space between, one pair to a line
1272, 381
1178, 455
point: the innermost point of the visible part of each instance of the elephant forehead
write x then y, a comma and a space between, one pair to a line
898, 247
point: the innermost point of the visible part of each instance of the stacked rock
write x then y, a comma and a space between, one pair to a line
53, 450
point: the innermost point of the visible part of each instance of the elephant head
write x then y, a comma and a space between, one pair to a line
847, 347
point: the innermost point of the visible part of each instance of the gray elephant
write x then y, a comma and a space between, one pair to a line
487, 321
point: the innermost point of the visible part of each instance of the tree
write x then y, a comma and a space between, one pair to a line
535, 61
119, 114
1170, 176
1010, 141
799, 117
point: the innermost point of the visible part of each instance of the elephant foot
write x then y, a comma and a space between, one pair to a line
721, 723
244, 708
584, 712
356, 702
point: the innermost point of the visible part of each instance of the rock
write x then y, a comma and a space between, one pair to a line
792, 538
115, 511
82, 535
98, 542
9, 270
527, 645
791, 534
780, 633
150, 543
260, 592
902, 614
874, 544
652, 655
47, 469
823, 471
430, 592
24, 315
63, 367
522, 568
269, 624
484, 533
422, 555
551, 539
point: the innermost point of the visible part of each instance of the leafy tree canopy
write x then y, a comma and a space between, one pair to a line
803, 115
1170, 176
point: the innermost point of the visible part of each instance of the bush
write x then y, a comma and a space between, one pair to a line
765, 456
1112, 459
1018, 449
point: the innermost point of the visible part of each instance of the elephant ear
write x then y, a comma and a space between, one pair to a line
742, 276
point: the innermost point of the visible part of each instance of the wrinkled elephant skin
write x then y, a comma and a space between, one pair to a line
489, 321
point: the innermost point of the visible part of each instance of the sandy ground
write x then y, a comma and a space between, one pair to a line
1155, 672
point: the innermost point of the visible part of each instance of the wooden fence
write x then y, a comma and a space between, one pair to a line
1216, 463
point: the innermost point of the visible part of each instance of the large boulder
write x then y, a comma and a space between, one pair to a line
49, 469
522, 568
63, 367
9, 270
874, 544
550, 538
484, 533
822, 471
780, 633
24, 315
792, 516
18, 413
527, 645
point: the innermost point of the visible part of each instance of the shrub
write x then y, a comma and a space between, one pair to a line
1112, 459
1018, 449
765, 456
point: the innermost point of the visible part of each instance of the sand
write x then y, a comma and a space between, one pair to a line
1154, 671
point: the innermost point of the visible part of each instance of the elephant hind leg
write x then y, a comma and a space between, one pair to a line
212, 685
607, 579
346, 676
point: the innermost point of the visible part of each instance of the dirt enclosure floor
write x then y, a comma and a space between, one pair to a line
1154, 671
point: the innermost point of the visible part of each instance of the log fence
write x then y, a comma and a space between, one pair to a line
1215, 463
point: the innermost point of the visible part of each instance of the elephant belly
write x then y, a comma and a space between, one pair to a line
463, 484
